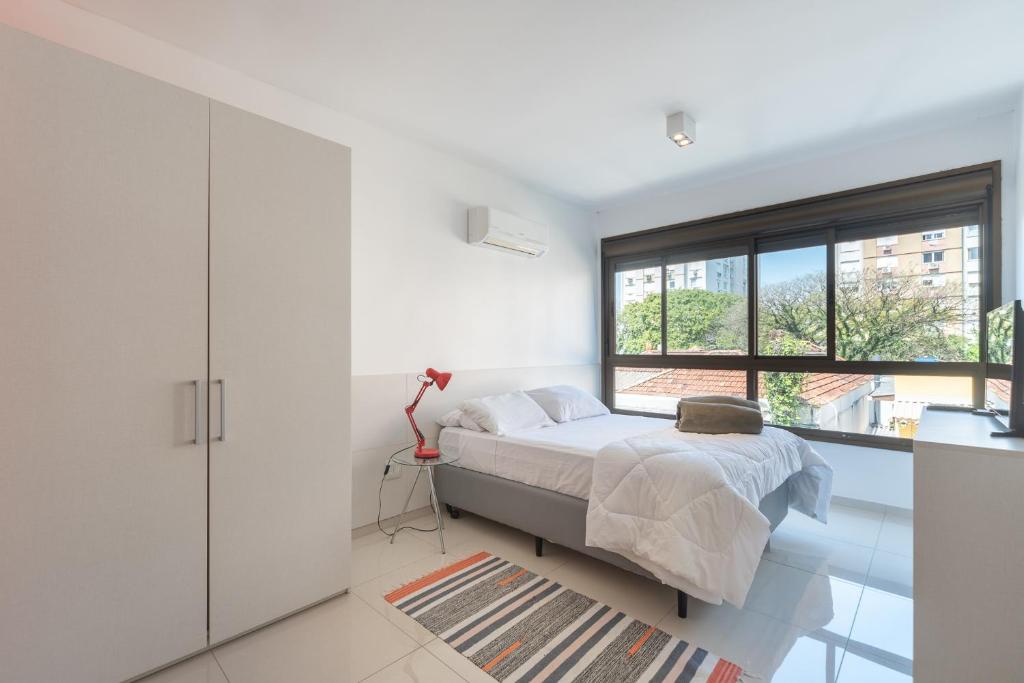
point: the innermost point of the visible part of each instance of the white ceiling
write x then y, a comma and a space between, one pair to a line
571, 95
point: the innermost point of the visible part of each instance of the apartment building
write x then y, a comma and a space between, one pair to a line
716, 275
949, 259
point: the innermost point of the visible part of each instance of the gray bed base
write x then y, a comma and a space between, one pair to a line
550, 515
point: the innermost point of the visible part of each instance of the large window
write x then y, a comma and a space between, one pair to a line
706, 306
791, 297
638, 309
842, 315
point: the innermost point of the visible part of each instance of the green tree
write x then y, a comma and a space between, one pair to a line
1000, 335
782, 389
899, 318
638, 326
894, 318
698, 320
794, 308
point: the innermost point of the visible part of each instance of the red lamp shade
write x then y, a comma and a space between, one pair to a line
441, 379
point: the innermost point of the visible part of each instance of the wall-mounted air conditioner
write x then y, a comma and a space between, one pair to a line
502, 231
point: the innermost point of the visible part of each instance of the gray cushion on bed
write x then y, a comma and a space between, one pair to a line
718, 418
714, 398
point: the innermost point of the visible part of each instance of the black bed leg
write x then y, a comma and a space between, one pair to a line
453, 511
681, 604
538, 546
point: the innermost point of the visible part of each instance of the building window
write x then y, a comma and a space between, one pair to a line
834, 339
887, 263
933, 280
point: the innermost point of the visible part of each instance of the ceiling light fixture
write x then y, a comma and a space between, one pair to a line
681, 129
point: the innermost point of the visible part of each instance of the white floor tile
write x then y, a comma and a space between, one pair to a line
814, 658
470, 534
858, 669
845, 523
806, 600
373, 555
885, 622
342, 640
418, 667
820, 555
897, 534
456, 662
641, 598
892, 573
200, 669
373, 591
807, 617
765, 647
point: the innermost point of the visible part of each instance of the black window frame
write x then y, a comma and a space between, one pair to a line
937, 201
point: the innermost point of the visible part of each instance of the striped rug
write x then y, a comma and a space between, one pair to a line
518, 626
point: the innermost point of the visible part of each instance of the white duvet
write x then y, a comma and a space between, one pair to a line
685, 506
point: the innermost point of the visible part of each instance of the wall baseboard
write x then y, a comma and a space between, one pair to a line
870, 505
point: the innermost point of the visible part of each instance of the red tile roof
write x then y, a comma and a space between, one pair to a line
822, 388
999, 387
687, 382
819, 388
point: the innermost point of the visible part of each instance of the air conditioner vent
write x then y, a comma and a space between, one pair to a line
504, 232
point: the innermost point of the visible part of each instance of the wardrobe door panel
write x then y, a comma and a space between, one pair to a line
279, 338
103, 243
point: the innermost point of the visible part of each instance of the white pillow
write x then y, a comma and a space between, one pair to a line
457, 418
450, 419
566, 403
506, 413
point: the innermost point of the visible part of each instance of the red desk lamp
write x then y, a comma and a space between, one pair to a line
432, 377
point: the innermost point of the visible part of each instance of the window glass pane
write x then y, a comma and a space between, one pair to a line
885, 405
912, 300
998, 394
638, 311
707, 306
791, 302
658, 390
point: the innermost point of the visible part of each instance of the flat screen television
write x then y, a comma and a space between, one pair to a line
1004, 368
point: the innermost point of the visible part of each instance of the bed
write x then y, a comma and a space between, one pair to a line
539, 481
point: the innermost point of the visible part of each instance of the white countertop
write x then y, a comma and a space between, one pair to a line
965, 429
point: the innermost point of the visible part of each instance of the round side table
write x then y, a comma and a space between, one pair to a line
410, 460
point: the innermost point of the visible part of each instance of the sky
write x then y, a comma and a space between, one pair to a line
780, 266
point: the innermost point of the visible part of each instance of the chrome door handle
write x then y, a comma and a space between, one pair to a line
223, 389
198, 385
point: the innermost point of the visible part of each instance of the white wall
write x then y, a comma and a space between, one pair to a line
874, 475
420, 295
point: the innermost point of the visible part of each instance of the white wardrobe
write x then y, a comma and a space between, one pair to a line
174, 368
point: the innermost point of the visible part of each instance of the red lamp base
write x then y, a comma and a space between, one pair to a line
427, 453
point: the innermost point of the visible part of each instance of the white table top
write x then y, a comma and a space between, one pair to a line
967, 430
